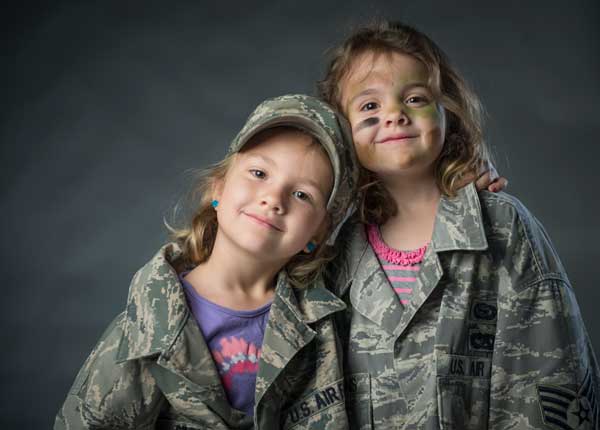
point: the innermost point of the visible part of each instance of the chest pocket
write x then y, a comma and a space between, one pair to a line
463, 392
358, 401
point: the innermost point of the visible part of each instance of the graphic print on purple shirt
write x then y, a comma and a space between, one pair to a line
234, 339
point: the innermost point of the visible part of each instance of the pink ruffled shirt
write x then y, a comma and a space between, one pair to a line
400, 267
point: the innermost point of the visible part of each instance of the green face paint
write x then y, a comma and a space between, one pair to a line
430, 111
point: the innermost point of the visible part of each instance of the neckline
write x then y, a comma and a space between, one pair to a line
392, 255
240, 313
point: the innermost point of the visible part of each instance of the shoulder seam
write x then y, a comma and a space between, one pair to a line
551, 276
518, 207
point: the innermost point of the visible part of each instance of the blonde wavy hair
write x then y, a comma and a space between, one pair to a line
196, 236
464, 151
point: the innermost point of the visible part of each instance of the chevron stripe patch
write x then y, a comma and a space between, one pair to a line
566, 409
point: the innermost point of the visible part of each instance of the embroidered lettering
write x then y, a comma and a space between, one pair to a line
315, 402
320, 402
298, 412
305, 409
294, 415
333, 396
457, 366
340, 388
462, 365
477, 368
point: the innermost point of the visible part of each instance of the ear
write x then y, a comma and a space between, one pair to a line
323, 230
307, 249
320, 235
217, 189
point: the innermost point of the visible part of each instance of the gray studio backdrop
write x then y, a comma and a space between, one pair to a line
107, 106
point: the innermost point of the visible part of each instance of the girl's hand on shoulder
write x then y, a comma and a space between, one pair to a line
487, 182
489, 179
486, 179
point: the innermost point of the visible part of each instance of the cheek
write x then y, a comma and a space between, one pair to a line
363, 153
311, 219
435, 141
363, 140
433, 124
235, 194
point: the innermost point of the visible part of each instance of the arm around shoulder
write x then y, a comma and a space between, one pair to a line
108, 393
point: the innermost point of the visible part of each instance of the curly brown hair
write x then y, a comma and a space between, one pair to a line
464, 151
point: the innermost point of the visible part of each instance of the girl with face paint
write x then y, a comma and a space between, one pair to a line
459, 312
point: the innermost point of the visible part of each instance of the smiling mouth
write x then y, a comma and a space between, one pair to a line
396, 139
262, 222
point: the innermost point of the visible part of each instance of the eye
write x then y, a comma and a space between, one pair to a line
301, 195
369, 106
258, 173
417, 100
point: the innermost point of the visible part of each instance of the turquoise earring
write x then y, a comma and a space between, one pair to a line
311, 246
214, 203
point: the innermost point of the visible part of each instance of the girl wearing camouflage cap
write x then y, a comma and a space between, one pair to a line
230, 326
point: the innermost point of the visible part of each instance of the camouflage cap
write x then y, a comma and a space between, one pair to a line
329, 128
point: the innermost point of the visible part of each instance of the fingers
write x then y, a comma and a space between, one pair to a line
483, 181
499, 184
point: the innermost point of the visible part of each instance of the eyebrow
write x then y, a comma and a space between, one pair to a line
412, 85
312, 183
366, 92
261, 157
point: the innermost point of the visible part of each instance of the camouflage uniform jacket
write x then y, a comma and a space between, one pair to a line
153, 369
492, 338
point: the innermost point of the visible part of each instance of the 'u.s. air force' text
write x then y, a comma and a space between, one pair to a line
461, 365
321, 399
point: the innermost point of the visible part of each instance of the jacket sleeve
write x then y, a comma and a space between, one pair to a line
108, 394
544, 372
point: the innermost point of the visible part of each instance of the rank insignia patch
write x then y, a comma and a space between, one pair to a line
565, 409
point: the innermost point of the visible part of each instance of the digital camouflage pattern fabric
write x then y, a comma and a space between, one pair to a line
330, 129
492, 338
152, 369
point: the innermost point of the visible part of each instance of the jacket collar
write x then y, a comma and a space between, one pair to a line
287, 330
458, 225
157, 309
312, 303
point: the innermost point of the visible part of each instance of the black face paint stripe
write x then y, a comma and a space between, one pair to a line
369, 122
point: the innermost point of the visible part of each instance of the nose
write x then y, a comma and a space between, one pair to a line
396, 115
273, 199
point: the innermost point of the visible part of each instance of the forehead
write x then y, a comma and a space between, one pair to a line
286, 139
389, 67
287, 144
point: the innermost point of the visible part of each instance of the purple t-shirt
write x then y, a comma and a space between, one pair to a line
235, 341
